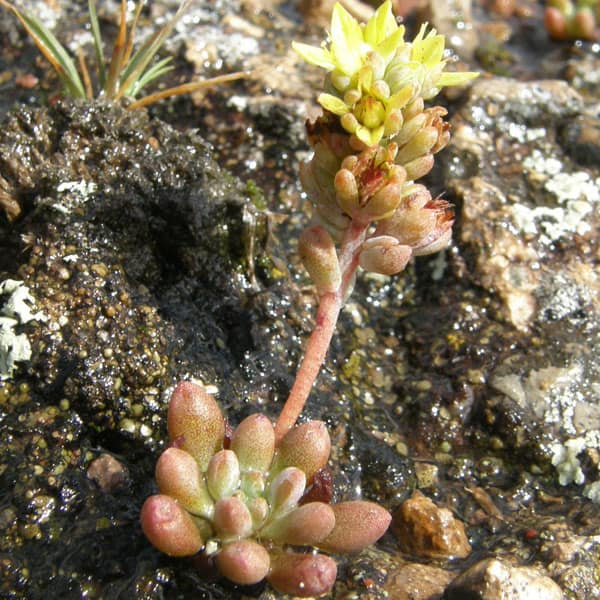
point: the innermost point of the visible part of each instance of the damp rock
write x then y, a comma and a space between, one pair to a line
425, 530
493, 579
418, 582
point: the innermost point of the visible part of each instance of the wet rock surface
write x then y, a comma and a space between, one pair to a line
473, 377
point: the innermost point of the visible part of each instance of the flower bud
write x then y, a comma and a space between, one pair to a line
419, 167
357, 524
253, 442
370, 112
352, 96
169, 527
232, 519
384, 202
195, 421
319, 257
421, 143
178, 475
410, 128
416, 107
223, 474
349, 122
385, 255
393, 123
339, 80
244, 562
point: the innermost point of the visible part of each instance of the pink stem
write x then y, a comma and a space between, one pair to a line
327, 315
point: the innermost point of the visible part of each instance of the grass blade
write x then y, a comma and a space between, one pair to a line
131, 35
98, 49
52, 50
116, 61
145, 54
186, 88
154, 72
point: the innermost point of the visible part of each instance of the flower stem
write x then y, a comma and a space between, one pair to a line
327, 315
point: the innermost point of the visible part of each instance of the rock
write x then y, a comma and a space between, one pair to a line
425, 530
492, 579
108, 473
417, 582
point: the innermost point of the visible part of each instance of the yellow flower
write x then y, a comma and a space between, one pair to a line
374, 73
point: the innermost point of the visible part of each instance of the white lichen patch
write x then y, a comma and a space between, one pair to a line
16, 310
564, 458
575, 194
73, 194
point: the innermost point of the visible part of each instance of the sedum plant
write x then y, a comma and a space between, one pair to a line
128, 71
243, 501
246, 501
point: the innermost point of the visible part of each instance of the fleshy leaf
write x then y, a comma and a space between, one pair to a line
287, 488
358, 524
304, 526
223, 474
195, 422
244, 562
306, 447
178, 475
232, 519
253, 442
169, 527
302, 575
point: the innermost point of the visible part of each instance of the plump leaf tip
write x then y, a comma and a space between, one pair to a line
245, 504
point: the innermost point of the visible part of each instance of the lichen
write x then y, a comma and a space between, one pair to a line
17, 310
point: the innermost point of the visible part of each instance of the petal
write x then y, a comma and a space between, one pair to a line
381, 25
346, 40
456, 78
333, 104
178, 475
244, 562
253, 442
357, 524
315, 56
304, 526
302, 575
169, 527
195, 422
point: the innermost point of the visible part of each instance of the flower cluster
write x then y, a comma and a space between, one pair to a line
374, 140
243, 501
567, 20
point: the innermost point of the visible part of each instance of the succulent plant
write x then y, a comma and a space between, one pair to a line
567, 20
375, 138
243, 501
